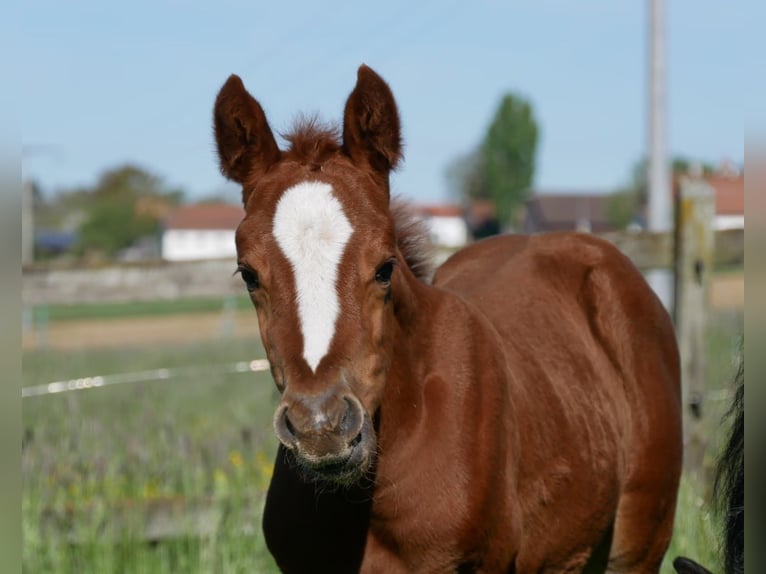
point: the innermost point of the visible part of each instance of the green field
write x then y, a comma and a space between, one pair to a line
97, 462
95, 453
142, 308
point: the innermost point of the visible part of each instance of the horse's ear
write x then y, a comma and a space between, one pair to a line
371, 123
245, 142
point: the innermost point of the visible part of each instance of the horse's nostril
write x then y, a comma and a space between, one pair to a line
351, 422
284, 428
344, 422
288, 425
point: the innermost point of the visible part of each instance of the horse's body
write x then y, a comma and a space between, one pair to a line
519, 414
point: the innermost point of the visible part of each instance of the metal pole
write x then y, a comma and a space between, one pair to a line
659, 175
659, 212
27, 224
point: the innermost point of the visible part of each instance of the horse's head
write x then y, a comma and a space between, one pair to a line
317, 251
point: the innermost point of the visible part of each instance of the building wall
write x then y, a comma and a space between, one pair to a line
190, 244
448, 231
730, 221
145, 281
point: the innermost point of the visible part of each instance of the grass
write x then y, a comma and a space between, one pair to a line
208, 438
697, 529
88, 453
141, 308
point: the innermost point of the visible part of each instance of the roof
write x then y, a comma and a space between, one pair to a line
562, 212
437, 210
205, 216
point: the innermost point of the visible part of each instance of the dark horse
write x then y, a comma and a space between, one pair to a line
518, 413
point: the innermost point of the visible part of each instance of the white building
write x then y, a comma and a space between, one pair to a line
202, 231
446, 224
729, 200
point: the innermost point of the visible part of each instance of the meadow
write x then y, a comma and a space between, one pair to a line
101, 466
117, 310
170, 475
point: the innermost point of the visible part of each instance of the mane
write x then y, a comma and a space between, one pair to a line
413, 240
730, 479
312, 141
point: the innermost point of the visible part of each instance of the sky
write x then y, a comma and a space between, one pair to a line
105, 83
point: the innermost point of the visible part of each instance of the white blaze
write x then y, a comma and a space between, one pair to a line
312, 231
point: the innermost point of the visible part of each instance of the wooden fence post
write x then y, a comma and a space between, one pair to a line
695, 222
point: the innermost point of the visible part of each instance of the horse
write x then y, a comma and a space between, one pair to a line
517, 409
729, 488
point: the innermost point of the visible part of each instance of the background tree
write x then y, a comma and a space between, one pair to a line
627, 204
501, 169
126, 204
508, 156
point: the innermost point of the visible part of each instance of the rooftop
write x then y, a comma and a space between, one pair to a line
205, 216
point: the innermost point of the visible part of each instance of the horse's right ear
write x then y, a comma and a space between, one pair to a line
245, 142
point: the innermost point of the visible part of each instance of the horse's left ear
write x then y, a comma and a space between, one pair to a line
371, 129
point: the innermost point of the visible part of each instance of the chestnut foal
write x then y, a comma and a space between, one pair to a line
518, 413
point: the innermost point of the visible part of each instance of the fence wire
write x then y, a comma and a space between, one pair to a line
97, 381
240, 367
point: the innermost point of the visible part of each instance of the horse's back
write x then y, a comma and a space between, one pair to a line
562, 285
594, 378
565, 296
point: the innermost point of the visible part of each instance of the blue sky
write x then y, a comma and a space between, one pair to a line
106, 83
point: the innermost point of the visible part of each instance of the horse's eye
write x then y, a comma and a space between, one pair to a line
250, 278
383, 275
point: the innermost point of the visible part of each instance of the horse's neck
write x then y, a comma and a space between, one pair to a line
416, 304
402, 384
423, 347
447, 360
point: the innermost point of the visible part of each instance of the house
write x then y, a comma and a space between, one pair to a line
566, 212
446, 224
201, 231
729, 199
728, 185
588, 212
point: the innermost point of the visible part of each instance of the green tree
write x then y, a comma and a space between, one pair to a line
508, 156
114, 225
623, 207
126, 204
132, 182
627, 203
681, 165
502, 168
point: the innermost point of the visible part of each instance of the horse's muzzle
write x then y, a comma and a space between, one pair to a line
330, 437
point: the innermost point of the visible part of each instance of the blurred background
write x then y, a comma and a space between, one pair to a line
146, 402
